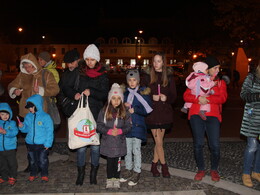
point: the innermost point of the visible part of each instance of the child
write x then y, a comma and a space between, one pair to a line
8, 145
200, 84
113, 123
138, 101
39, 128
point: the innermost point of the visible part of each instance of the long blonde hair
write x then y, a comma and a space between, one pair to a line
153, 76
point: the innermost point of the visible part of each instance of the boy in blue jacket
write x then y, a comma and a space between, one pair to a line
137, 100
39, 128
8, 145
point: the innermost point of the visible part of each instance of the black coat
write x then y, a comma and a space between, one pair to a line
99, 88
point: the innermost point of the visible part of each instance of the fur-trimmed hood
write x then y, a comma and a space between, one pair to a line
143, 90
29, 58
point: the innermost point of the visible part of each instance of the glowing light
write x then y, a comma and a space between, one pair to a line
53, 55
20, 29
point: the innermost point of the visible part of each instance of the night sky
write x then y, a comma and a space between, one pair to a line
77, 22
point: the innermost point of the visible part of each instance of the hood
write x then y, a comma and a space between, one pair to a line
51, 64
29, 58
37, 100
7, 108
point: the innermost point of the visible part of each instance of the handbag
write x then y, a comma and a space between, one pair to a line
68, 105
82, 127
52, 108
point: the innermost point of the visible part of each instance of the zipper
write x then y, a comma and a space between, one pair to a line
34, 127
4, 137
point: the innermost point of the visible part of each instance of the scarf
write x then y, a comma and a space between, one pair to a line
130, 98
93, 72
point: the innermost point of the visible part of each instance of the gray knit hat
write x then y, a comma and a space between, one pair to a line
46, 56
133, 73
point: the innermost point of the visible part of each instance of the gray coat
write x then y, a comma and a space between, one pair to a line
250, 93
113, 146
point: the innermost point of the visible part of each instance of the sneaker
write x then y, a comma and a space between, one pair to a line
135, 179
110, 183
116, 183
214, 175
256, 176
32, 178
199, 175
45, 179
1, 181
11, 181
247, 180
126, 175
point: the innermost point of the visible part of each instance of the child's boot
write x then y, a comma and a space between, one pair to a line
154, 170
256, 176
247, 180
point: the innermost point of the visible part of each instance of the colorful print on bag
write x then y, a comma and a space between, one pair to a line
85, 129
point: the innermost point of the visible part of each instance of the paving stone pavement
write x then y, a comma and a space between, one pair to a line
62, 173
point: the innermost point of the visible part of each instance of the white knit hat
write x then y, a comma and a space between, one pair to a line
91, 52
115, 90
200, 67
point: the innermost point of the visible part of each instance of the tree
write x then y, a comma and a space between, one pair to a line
239, 17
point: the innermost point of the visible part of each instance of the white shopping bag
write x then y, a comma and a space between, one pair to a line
82, 127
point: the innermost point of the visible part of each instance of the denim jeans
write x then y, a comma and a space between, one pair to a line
252, 156
38, 158
133, 146
210, 126
81, 155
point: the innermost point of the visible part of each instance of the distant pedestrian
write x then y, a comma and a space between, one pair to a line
38, 126
160, 80
114, 122
250, 127
210, 126
138, 102
200, 84
8, 145
236, 78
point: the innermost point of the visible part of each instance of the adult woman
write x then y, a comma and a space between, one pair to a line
94, 84
250, 127
210, 126
163, 90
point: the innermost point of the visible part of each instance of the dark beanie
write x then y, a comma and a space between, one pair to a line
211, 61
29, 105
45, 56
71, 56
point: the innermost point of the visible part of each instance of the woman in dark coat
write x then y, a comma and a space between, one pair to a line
94, 84
163, 90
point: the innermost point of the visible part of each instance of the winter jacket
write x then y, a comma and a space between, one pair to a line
51, 66
162, 111
138, 117
38, 125
250, 93
113, 146
215, 100
8, 141
99, 88
26, 81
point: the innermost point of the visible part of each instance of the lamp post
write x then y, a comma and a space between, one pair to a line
138, 50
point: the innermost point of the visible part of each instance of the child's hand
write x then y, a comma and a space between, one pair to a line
115, 132
46, 148
156, 98
20, 125
127, 105
131, 110
163, 97
2, 131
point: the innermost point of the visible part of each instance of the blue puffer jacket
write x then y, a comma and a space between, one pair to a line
138, 117
8, 141
38, 126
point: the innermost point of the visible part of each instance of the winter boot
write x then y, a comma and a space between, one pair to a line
93, 174
81, 174
154, 170
165, 172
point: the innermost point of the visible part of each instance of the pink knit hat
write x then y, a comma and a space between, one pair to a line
199, 67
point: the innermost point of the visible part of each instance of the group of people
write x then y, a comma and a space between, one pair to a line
123, 115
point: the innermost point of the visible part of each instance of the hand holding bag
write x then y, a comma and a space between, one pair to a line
82, 127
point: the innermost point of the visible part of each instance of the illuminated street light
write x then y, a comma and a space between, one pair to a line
249, 59
43, 37
20, 29
232, 53
194, 56
139, 56
53, 55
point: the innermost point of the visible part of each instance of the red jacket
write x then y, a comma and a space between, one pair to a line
215, 100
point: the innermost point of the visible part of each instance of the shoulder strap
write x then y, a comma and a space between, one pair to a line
43, 80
